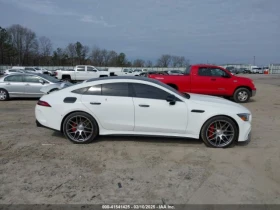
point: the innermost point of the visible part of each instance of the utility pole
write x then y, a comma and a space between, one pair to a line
254, 60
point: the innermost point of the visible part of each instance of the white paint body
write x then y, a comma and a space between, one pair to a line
122, 115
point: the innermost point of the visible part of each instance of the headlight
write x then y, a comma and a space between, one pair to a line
244, 116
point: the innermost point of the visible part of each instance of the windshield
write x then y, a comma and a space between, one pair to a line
50, 78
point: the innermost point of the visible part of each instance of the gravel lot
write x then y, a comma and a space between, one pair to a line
41, 166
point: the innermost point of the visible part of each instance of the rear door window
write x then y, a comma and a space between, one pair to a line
13, 78
115, 89
148, 91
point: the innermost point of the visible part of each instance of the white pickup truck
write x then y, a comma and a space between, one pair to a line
81, 73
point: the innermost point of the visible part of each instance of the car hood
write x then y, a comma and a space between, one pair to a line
216, 102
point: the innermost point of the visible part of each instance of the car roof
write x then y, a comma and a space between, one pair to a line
137, 78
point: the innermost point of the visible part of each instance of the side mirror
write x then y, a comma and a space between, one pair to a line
171, 99
42, 81
226, 76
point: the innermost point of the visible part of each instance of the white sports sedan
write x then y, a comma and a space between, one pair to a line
141, 106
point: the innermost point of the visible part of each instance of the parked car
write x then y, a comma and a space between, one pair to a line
245, 71
174, 72
210, 80
28, 69
25, 85
232, 69
43, 70
80, 73
257, 70
12, 71
141, 106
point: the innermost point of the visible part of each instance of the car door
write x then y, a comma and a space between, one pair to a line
81, 73
154, 114
33, 85
202, 82
221, 81
14, 85
112, 105
92, 72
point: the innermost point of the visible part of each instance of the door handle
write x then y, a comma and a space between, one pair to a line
213, 79
95, 103
144, 105
27, 85
8, 84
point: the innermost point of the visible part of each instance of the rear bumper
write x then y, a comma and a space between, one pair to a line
38, 124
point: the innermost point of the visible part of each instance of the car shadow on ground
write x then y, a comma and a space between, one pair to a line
24, 99
148, 139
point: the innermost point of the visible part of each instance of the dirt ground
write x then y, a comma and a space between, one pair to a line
40, 166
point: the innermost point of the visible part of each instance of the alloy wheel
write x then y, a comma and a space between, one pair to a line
220, 133
79, 128
3, 95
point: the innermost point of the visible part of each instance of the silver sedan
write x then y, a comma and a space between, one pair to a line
26, 85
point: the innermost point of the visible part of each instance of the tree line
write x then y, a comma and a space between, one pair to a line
21, 46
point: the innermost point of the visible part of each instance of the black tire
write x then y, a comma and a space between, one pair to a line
66, 78
205, 131
93, 134
4, 95
242, 95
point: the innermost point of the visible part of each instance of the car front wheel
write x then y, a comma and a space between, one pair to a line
241, 95
80, 128
219, 132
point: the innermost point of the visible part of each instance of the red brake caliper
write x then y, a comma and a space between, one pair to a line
211, 131
74, 125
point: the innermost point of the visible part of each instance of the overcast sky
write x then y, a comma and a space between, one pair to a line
217, 31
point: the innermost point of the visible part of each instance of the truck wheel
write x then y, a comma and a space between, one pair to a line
66, 79
241, 95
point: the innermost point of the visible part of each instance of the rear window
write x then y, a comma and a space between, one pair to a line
13, 78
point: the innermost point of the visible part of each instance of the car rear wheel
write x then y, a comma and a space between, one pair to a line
219, 132
80, 128
241, 95
4, 95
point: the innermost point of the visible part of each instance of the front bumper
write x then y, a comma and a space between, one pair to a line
254, 92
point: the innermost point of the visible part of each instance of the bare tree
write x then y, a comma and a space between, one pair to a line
178, 61
149, 63
24, 41
45, 46
164, 60
112, 58
71, 52
96, 56
138, 63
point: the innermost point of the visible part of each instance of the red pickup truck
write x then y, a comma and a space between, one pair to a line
210, 80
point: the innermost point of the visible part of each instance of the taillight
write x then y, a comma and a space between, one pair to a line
43, 103
55, 73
